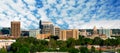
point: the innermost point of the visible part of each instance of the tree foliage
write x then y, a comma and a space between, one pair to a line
84, 50
3, 50
34, 45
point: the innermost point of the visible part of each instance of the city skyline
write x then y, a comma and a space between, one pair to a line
67, 14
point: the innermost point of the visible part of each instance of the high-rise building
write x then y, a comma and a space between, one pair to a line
15, 28
46, 28
57, 31
66, 34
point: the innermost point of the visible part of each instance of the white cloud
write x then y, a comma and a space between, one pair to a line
43, 15
107, 24
74, 19
60, 21
12, 9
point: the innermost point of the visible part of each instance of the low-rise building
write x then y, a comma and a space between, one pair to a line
43, 36
106, 32
104, 37
66, 34
5, 31
6, 43
83, 32
115, 32
25, 33
34, 33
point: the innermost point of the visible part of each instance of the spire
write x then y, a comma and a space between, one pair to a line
40, 24
94, 30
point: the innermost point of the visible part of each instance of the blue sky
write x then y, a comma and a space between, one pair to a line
67, 14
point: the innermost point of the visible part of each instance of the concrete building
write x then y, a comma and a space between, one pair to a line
34, 33
86, 32
104, 37
6, 43
24, 32
89, 31
5, 31
57, 31
83, 32
66, 34
43, 36
15, 28
46, 27
115, 32
106, 32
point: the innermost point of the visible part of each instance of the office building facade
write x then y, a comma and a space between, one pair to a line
46, 27
15, 28
66, 34
5, 31
33, 33
115, 32
106, 32
43, 36
57, 31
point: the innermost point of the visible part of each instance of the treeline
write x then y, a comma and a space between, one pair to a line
26, 45
98, 41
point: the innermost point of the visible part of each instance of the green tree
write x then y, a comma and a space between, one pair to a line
97, 41
118, 50
40, 48
107, 42
81, 40
44, 42
84, 50
63, 49
23, 50
19, 47
73, 50
52, 44
3, 50
88, 41
92, 49
70, 42
15, 47
33, 48
61, 43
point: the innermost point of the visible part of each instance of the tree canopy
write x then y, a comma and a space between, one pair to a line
34, 45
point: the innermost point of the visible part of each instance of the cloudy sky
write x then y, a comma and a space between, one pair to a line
67, 14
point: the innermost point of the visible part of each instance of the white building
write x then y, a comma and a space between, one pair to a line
106, 32
34, 33
6, 43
